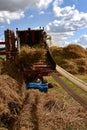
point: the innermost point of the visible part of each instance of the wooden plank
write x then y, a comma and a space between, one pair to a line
81, 84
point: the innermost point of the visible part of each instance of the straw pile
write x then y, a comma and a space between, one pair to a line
24, 60
74, 51
33, 110
2, 62
12, 70
10, 100
49, 112
72, 58
28, 56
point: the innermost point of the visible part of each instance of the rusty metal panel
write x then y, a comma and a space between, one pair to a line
29, 37
2, 43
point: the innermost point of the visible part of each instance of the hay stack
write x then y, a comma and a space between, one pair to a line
73, 58
10, 100
74, 51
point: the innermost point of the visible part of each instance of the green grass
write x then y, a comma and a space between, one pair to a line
78, 90
3, 56
83, 77
58, 89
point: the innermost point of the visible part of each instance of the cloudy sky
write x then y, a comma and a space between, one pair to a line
64, 20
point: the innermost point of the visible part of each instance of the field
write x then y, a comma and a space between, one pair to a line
22, 109
32, 109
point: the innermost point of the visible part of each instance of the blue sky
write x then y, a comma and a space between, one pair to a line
64, 20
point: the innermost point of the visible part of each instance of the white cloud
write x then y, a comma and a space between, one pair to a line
71, 18
41, 12
58, 37
61, 12
53, 26
14, 9
31, 16
15, 5
57, 3
81, 41
43, 4
6, 16
68, 20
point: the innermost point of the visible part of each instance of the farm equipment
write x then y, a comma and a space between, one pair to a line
31, 38
42, 86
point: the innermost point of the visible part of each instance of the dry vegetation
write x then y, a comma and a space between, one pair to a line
2, 62
72, 58
25, 59
10, 100
22, 109
49, 112
28, 56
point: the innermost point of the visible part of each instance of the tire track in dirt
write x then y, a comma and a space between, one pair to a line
34, 114
28, 112
33, 109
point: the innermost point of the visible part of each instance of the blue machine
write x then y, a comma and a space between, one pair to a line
43, 87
